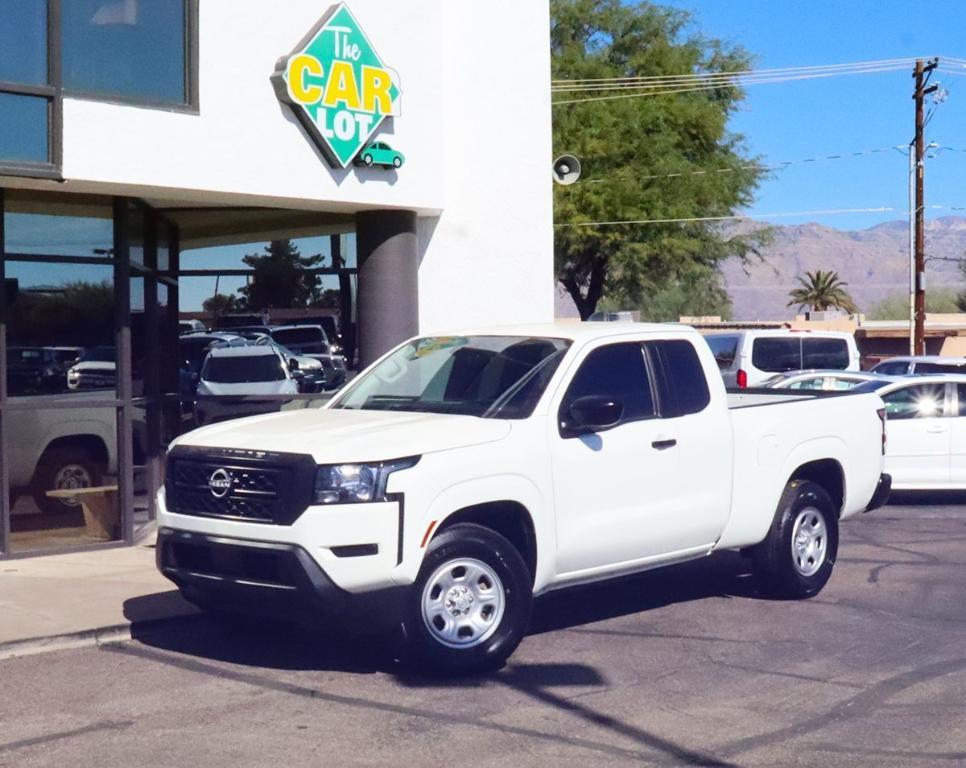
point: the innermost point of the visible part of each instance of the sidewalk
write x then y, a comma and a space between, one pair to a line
62, 601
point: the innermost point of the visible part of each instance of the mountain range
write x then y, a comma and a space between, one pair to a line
874, 262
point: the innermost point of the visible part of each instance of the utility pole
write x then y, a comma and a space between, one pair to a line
921, 74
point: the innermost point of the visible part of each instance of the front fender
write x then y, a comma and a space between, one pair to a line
421, 527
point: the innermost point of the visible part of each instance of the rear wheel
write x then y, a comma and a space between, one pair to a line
470, 605
796, 560
64, 468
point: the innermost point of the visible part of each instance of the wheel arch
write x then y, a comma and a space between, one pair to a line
94, 445
827, 473
509, 518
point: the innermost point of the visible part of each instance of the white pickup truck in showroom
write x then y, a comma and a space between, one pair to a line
459, 476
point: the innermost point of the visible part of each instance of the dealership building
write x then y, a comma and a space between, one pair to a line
155, 154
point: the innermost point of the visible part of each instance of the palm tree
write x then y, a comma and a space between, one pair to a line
822, 290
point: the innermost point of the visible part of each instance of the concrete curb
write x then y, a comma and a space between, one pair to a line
88, 638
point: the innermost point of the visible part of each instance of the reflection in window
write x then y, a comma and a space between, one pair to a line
23, 129
54, 225
132, 49
49, 481
61, 321
23, 42
916, 402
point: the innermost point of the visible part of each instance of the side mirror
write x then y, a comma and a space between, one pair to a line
293, 364
594, 413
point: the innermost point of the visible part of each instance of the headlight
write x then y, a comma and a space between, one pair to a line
356, 483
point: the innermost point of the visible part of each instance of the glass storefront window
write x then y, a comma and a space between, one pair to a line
23, 128
47, 224
241, 256
23, 42
60, 331
50, 452
136, 227
127, 49
164, 245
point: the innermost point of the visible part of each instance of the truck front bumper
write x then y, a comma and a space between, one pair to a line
881, 494
271, 579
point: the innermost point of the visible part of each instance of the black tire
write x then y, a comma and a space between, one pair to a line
795, 574
489, 649
367, 160
53, 470
396, 162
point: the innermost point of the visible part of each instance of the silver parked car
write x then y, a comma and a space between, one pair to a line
824, 380
920, 365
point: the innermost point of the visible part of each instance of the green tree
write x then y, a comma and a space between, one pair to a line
961, 296
282, 278
220, 304
628, 146
821, 290
896, 306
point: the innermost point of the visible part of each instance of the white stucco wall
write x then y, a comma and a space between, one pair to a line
489, 257
475, 129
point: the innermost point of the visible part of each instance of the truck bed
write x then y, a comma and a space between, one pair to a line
757, 396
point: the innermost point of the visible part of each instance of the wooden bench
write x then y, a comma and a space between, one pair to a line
102, 516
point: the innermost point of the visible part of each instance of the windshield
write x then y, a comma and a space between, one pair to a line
490, 376
299, 335
243, 369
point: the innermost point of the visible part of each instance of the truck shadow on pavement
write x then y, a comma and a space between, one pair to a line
278, 645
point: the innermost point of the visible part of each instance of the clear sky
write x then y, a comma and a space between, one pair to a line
840, 115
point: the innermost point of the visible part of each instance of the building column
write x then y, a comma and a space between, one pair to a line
388, 257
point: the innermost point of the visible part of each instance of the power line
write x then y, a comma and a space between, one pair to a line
737, 73
749, 166
659, 91
636, 222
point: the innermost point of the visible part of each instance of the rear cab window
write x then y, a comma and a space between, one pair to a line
681, 383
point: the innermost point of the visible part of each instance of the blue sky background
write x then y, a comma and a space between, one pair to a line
840, 115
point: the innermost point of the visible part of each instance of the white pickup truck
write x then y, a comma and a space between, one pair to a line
461, 475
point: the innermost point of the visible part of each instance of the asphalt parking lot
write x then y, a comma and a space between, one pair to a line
685, 666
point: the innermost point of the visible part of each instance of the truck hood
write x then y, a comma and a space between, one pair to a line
95, 366
346, 436
280, 387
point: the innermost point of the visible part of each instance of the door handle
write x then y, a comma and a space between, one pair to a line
661, 445
936, 430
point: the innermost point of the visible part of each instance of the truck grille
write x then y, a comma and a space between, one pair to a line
239, 485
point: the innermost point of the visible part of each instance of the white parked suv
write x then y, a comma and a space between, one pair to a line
461, 475
233, 378
748, 358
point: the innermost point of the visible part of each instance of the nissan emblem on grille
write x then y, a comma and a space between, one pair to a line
219, 483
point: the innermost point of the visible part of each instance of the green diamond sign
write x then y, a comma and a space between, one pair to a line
338, 86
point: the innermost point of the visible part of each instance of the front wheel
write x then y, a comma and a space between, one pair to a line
470, 605
796, 560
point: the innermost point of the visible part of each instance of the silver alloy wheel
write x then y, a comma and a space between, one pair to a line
809, 541
463, 603
69, 477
